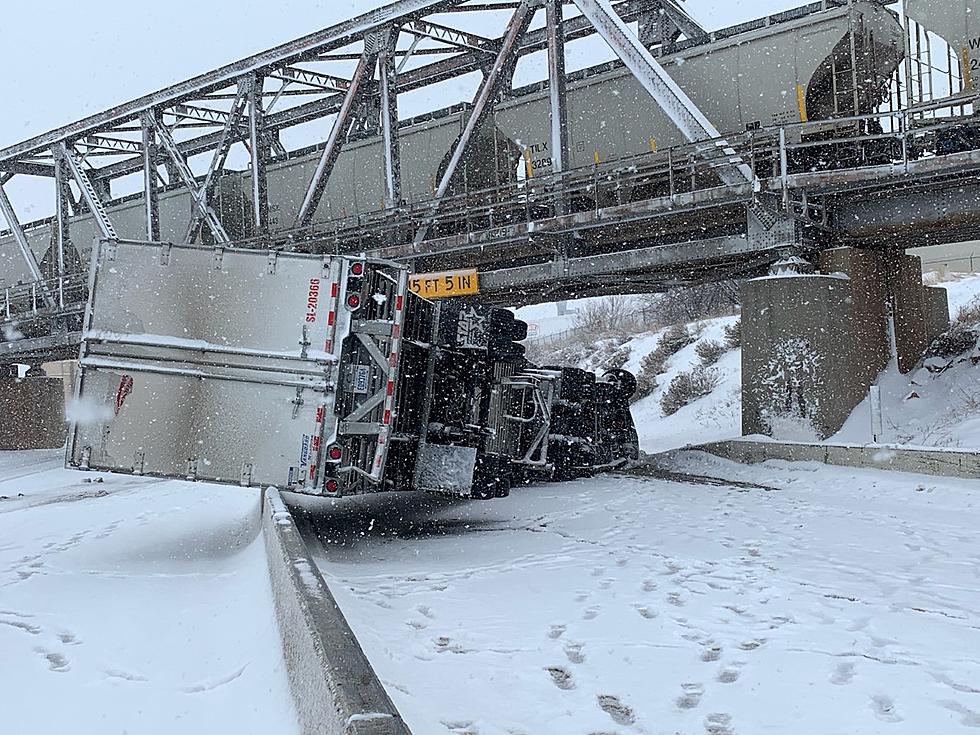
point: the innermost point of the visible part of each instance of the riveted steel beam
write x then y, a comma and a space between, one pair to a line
390, 145
151, 199
338, 133
89, 193
490, 88
259, 152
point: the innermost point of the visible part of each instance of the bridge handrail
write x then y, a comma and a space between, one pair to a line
24, 300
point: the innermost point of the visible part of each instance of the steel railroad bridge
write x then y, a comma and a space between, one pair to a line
710, 207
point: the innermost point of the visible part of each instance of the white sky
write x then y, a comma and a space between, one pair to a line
64, 60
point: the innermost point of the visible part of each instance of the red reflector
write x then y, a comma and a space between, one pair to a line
391, 387
398, 303
353, 301
393, 360
332, 485
357, 269
387, 419
334, 289
331, 318
328, 346
335, 452
396, 332
312, 471
316, 443
319, 414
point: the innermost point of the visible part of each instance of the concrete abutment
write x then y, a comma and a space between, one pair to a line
814, 343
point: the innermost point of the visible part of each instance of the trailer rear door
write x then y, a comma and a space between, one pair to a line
207, 364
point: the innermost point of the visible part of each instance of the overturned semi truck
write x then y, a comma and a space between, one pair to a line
323, 375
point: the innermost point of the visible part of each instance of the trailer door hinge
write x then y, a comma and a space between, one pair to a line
246, 480
165, 253
138, 461
219, 254
273, 258
297, 402
192, 468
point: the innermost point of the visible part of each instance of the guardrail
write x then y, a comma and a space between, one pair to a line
26, 300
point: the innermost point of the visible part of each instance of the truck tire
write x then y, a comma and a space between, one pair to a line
492, 477
623, 380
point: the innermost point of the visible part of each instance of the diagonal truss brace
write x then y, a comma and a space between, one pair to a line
228, 136
490, 88
7, 210
342, 123
198, 193
690, 121
89, 193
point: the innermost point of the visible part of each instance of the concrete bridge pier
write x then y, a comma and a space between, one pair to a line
32, 410
813, 342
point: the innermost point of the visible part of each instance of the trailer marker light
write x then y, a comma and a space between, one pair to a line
334, 290
331, 486
387, 418
398, 303
391, 387
353, 301
357, 269
335, 452
331, 318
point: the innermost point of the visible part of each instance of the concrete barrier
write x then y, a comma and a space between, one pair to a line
920, 460
335, 689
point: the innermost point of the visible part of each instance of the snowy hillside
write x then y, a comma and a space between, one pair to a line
923, 408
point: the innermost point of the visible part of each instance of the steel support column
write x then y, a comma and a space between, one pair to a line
390, 145
151, 200
338, 132
556, 87
489, 89
62, 212
259, 150
690, 121
7, 210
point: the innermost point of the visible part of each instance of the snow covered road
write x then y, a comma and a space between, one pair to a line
832, 601
134, 606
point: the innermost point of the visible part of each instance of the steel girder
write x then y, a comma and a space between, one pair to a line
89, 193
489, 90
690, 121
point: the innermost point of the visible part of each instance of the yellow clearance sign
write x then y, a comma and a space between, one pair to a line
445, 285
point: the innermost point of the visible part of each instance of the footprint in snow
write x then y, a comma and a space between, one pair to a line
561, 677
56, 662
691, 697
728, 675
590, 613
556, 631
711, 653
751, 645
843, 673
718, 723
425, 611
646, 612
675, 599
619, 712
574, 653
884, 708
649, 585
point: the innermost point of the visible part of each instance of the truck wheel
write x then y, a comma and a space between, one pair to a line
623, 380
491, 478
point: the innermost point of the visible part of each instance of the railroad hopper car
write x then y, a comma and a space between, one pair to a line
325, 376
819, 61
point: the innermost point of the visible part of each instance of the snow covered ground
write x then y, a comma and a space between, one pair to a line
133, 605
830, 601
